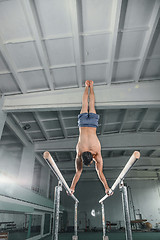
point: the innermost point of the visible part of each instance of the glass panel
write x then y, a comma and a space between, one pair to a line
47, 223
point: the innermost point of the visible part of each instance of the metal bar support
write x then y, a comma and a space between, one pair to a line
103, 220
126, 214
58, 189
75, 237
54, 210
75, 219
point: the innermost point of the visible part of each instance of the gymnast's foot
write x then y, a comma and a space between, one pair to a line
91, 83
87, 83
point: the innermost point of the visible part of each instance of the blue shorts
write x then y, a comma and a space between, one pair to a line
88, 120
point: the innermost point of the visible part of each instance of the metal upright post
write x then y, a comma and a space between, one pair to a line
104, 223
75, 237
58, 189
127, 220
54, 212
103, 220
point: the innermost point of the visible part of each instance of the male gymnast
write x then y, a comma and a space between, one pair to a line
88, 147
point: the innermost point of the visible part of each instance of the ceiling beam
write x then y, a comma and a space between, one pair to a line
142, 117
120, 96
72, 156
115, 18
148, 39
157, 125
132, 29
76, 37
104, 119
10, 141
30, 12
21, 126
116, 162
113, 179
40, 160
113, 172
112, 175
8, 59
135, 141
151, 153
57, 157
125, 112
40, 124
16, 130
117, 168
62, 123
30, 39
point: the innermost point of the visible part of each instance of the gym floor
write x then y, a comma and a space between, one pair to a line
94, 236
112, 236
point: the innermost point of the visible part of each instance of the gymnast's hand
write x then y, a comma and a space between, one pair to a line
109, 192
70, 193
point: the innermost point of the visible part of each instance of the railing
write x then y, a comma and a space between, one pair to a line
58, 189
119, 181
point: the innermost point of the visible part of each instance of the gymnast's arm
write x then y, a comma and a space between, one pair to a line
99, 169
79, 167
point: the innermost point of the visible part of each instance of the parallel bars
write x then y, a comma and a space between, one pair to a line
135, 156
58, 189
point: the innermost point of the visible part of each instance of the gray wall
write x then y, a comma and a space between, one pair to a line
146, 197
10, 158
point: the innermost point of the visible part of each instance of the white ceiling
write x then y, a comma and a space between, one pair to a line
47, 51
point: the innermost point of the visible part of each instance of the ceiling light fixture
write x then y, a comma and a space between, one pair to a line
27, 126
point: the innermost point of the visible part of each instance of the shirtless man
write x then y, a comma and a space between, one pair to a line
88, 147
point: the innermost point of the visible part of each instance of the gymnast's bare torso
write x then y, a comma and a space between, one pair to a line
88, 141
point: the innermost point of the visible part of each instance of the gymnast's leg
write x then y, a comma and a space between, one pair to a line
92, 99
85, 98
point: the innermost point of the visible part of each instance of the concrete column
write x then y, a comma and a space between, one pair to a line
158, 183
3, 116
27, 166
44, 181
